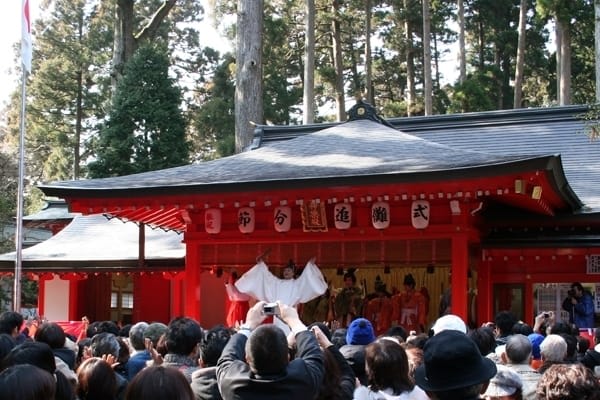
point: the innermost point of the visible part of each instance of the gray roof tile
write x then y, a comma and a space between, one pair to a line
355, 148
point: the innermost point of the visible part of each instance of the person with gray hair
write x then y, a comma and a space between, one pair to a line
516, 356
105, 345
139, 356
553, 351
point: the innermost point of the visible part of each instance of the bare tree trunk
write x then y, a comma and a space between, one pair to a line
125, 41
597, 46
78, 108
565, 65
481, 44
248, 87
369, 95
436, 62
497, 78
427, 84
308, 114
78, 126
338, 62
559, 39
462, 58
148, 32
410, 64
520, 55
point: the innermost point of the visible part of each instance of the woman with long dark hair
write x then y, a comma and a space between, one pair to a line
386, 365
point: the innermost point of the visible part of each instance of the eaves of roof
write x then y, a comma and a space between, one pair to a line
548, 130
354, 153
94, 242
551, 164
264, 135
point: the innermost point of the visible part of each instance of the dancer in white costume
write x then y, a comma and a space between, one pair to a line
261, 284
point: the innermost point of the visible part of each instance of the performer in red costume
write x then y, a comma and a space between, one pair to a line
409, 307
238, 302
379, 309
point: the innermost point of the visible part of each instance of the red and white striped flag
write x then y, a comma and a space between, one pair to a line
26, 45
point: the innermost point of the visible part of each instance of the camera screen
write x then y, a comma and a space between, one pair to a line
270, 309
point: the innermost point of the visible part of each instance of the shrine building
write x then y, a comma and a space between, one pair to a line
501, 207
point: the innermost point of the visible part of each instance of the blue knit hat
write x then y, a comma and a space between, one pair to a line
536, 339
360, 331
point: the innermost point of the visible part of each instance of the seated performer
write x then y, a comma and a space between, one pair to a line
379, 309
348, 301
261, 284
409, 307
318, 309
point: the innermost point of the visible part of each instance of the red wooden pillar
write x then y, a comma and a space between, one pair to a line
460, 265
192, 283
41, 294
74, 312
177, 296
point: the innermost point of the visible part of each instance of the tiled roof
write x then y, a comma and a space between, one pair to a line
552, 133
93, 241
53, 210
553, 130
360, 148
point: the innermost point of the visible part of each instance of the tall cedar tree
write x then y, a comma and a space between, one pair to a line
145, 130
213, 122
65, 90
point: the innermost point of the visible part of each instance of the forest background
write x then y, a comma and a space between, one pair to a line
125, 86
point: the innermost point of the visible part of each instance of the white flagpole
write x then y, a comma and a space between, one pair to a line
19, 227
26, 51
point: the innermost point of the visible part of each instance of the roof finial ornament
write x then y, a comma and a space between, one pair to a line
364, 110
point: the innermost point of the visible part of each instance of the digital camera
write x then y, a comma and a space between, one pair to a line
271, 309
571, 292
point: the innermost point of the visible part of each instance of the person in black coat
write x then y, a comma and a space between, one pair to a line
268, 372
204, 379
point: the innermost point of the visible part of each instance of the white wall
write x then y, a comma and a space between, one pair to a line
56, 300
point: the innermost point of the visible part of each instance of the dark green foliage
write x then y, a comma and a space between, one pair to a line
213, 121
475, 94
283, 64
67, 87
145, 129
8, 197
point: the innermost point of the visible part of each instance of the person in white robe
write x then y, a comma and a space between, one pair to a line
261, 284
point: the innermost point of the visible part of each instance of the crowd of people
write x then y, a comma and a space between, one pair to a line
501, 359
